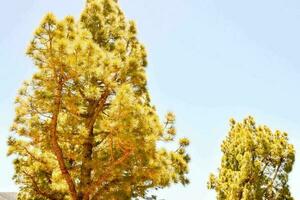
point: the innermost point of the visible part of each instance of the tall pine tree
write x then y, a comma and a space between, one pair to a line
85, 127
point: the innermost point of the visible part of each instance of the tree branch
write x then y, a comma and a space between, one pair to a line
54, 140
36, 187
92, 189
274, 177
33, 156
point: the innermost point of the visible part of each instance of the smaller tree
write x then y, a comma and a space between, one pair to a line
255, 163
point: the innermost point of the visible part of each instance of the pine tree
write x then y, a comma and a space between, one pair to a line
85, 127
255, 164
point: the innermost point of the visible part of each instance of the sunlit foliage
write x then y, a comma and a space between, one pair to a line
255, 164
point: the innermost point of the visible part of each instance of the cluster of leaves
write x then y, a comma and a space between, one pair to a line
255, 163
85, 127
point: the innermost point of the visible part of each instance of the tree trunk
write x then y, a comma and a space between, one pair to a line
86, 169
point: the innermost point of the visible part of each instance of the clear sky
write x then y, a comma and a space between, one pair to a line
209, 60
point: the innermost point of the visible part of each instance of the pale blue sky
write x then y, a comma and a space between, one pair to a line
209, 60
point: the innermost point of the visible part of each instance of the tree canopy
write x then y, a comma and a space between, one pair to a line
255, 164
85, 127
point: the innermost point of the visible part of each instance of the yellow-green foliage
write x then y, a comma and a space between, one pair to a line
255, 164
85, 127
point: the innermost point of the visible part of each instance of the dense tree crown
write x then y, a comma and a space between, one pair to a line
255, 164
85, 127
